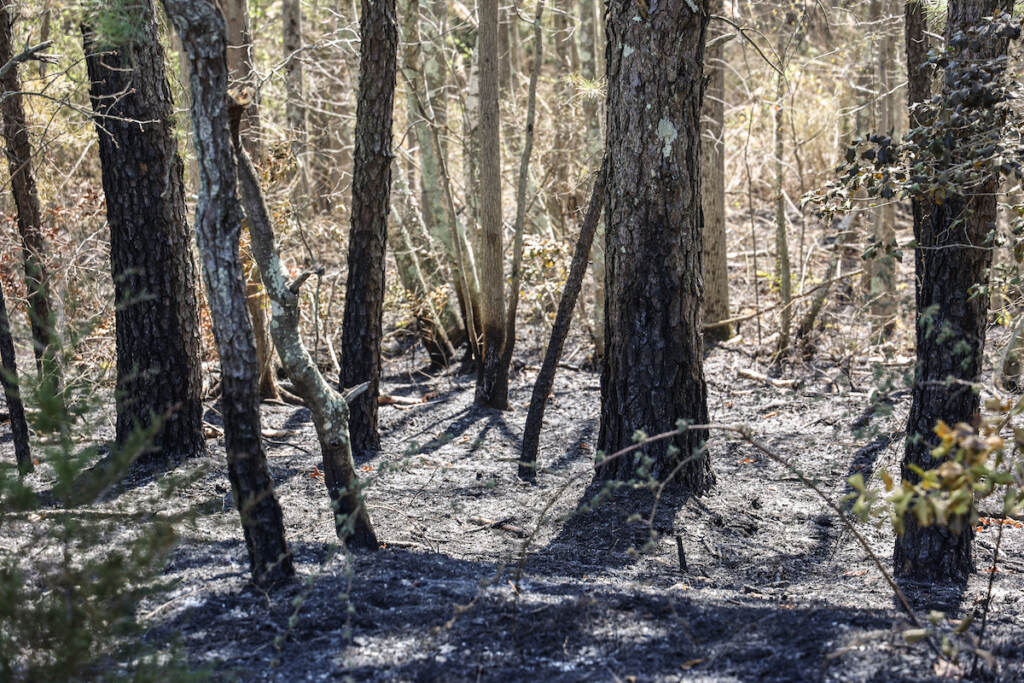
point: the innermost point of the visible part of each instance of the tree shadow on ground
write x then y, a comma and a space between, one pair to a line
418, 616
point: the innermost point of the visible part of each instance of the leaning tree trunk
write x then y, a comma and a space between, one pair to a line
327, 406
716, 263
26, 200
156, 313
218, 224
243, 76
653, 372
12, 394
952, 259
492, 375
371, 195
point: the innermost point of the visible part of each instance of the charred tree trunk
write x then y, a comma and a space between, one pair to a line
156, 313
653, 372
26, 199
951, 259
218, 224
12, 394
492, 376
371, 196
546, 377
295, 104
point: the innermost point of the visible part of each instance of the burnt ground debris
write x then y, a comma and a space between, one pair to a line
775, 588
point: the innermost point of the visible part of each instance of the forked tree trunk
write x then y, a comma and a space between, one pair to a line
371, 197
328, 407
155, 280
26, 199
242, 76
12, 393
951, 322
716, 264
218, 224
492, 377
653, 372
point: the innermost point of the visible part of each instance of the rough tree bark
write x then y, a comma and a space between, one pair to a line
563, 318
218, 224
653, 372
371, 196
712, 166
156, 314
328, 407
12, 395
492, 377
26, 200
949, 263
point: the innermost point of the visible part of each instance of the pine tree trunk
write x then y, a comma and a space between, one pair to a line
716, 265
218, 224
371, 196
951, 323
653, 371
156, 316
12, 394
26, 199
492, 376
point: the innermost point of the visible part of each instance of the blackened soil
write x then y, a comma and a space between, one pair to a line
483, 578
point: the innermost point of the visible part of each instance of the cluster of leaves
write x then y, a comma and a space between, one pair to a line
972, 464
78, 567
114, 22
966, 136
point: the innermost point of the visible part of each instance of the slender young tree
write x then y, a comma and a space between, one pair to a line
712, 166
201, 28
492, 375
951, 260
26, 200
653, 372
371, 196
12, 395
295, 102
156, 313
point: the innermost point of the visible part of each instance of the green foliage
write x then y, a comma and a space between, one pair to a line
967, 136
74, 565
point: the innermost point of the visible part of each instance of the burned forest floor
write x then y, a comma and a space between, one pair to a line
481, 577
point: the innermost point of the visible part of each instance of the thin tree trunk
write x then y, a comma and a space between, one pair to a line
155, 280
492, 378
243, 76
218, 224
328, 408
653, 373
782, 266
716, 264
563, 318
371, 197
882, 279
295, 102
26, 199
524, 170
593, 70
12, 393
951, 261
